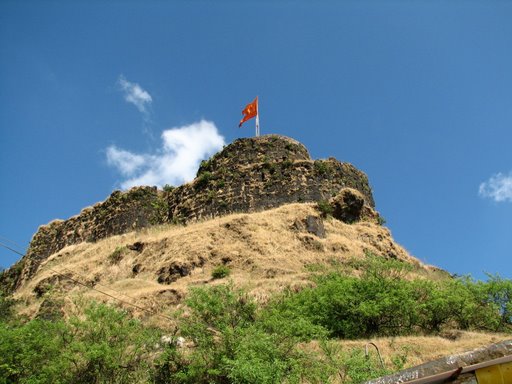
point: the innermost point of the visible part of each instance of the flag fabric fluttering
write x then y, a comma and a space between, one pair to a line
250, 111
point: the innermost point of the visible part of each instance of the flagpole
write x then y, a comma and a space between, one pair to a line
257, 117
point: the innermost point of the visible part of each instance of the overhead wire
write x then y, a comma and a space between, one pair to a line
11, 249
10, 241
102, 285
93, 288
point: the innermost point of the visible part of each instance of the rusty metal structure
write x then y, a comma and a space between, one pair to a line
490, 365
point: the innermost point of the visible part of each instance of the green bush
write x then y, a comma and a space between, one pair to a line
168, 188
110, 347
235, 342
325, 208
33, 352
357, 368
6, 307
383, 303
203, 179
349, 307
116, 256
287, 163
321, 167
220, 272
381, 220
205, 166
103, 346
232, 339
498, 293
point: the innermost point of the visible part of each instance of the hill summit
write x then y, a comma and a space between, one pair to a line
250, 174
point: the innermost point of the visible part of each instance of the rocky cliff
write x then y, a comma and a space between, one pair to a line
248, 175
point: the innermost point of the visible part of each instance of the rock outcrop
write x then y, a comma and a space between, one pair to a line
248, 175
349, 206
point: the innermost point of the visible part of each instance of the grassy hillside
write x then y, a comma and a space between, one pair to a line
284, 295
265, 252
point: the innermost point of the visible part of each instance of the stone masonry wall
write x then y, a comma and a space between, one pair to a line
121, 212
261, 173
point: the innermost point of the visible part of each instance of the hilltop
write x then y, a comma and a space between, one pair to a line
226, 215
248, 175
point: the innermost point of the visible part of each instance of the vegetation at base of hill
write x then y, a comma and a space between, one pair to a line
237, 342
6, 307
230, 338
104, 345
382, 302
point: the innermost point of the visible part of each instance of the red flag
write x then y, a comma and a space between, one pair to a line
250, 111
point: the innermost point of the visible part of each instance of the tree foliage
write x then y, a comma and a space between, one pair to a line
103, 346
383, 303
230, 338
235, 342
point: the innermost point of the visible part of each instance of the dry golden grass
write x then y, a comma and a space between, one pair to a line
416, 349
420, 349
264, 251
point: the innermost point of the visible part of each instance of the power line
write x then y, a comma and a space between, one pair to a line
93, 288
11, 249
101, 285
10, 241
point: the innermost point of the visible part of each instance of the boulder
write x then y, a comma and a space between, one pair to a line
350, 206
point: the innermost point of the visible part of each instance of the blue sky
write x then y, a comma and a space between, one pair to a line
98, 95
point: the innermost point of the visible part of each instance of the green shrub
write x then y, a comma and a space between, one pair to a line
270, 166
205, 166
382, 302
356, 367
109, 346
322, 167
160, 208
168, 188
235, 342
103, 346
6, 307
325, 208
287, 163
498, 292
33, 352
210, 196
116, 256
220, 272
381, 220
203, 179
349, 307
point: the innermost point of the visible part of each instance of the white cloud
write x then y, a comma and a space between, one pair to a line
126, 162
175, 163
498, 188
133, 93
